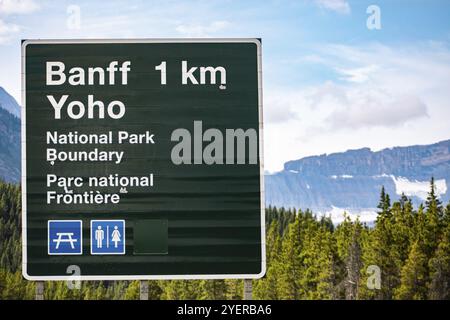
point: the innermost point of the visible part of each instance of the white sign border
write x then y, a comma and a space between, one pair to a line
257, 42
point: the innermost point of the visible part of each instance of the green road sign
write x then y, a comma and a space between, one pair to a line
142, 159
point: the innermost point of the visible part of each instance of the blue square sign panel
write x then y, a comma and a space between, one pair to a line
65, 237
107, 237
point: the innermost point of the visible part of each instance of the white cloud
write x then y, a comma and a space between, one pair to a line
339, 6
368, 110
7, 30
199, 30
7, 7
279, 108
381, 96
17, 6
357, 75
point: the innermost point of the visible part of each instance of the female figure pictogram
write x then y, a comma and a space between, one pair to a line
115, 236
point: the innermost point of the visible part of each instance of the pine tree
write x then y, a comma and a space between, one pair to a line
133, 291
378, 252
14, 286
182, 290
317, 279
213, 289
268, 286
413, 284
234, 289
307, 258
348, 240
291, 266
439, 264
384, 203
434, 215
154, 290
400, 230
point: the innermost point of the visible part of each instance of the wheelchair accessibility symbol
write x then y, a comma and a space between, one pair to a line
107, 237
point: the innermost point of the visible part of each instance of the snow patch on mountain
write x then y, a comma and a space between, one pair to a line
417, 188
383, 175
351, 181
342, 176
337, 215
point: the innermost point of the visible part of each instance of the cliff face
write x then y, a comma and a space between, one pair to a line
8, 103
9, 138
353, 179
349, 180
9, 147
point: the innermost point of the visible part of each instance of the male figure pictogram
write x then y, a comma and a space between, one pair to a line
99, 236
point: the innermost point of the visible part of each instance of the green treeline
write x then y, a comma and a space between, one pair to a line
404, 255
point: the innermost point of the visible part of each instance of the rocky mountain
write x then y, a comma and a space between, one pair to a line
8, 103
352, 180
327, 184
9, 138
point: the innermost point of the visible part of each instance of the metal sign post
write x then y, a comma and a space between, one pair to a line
39, 291
143, 290
248, 289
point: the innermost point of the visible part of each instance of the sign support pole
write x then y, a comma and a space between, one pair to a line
39, 291
143, 290
248, 289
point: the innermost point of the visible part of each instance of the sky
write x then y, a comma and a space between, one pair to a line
337, 74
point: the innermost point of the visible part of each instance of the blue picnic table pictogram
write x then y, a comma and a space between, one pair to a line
65, 237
